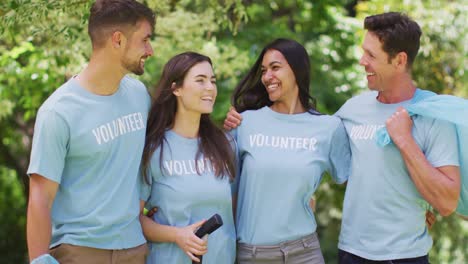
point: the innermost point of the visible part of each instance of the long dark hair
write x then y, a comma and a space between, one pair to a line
251, 94
213, 143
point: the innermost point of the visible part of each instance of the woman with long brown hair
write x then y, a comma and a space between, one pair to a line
187, 167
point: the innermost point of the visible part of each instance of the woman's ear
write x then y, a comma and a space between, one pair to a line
175, 90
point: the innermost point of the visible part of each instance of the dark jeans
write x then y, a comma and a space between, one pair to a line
348, 258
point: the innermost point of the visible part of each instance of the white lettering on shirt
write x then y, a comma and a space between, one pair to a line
118, 127
260, 140
364, 132
187, 167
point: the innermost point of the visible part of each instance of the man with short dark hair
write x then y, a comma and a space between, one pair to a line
390, 188
88, 140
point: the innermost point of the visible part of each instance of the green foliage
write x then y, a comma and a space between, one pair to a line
13, 220
43, 43
450, 235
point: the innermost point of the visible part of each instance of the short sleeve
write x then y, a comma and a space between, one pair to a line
237, 161
440, 146
50, 146
340, 155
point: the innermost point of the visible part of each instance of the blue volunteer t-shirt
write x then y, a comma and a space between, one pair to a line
184, 197
383, 212
281, 161
91, 145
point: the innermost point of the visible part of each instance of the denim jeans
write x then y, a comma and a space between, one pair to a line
305, 250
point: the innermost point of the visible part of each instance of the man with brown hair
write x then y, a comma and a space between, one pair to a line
88, 140
390, 188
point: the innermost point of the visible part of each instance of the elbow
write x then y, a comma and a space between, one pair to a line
449, 201
446, 211
448, 207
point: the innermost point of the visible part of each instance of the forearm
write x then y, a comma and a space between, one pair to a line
38, 228
156, 232
437, 188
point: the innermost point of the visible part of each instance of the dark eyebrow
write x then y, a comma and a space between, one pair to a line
204, 76
271, 63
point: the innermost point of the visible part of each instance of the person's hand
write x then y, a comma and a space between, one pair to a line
233, 119
399, 127
189, 243
430, 219
151, 212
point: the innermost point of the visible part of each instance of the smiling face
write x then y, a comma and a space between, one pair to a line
198, 91
278, 78
380, 71
138, 49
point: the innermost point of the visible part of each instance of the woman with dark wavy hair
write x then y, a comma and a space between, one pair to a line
187, 167
285, 146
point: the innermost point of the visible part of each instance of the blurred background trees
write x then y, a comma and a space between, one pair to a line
43, 43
